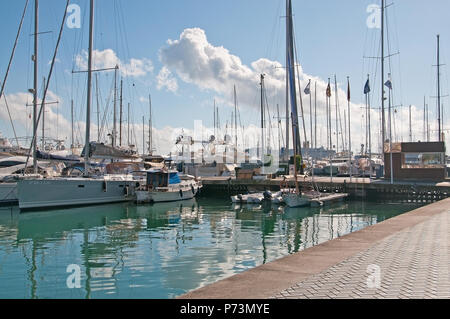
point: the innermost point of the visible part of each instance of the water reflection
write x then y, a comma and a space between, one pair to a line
163, 250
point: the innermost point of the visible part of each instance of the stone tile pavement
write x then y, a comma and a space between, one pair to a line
411, 263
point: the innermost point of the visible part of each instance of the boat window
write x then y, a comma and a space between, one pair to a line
423, 160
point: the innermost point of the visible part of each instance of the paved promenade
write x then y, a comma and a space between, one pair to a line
407, 256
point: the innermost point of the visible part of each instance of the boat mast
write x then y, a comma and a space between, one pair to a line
337, 114
370, 132
89, 87
43, 124
214, 118
262, 118
71, 118
310, 117
120, 115
293, 94
349, 133
424, 120
35, 82
383, 119
410, 128
114, 134
288, 114
150, 129
315, 114
98, 108
439, 91
235, 126
143, 135
128, 125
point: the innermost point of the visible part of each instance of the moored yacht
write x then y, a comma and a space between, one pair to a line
58, 192
165, 185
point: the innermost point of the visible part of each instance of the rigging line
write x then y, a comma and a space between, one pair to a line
9, 67
10, 119
13, 50
47, 84
106, 110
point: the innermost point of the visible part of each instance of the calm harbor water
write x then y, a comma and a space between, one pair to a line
161, 250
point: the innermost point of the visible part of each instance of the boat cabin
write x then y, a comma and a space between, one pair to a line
162, 178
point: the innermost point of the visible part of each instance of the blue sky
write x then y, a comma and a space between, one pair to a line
332, 38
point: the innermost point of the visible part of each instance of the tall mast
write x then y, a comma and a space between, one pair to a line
383, 120
262, 118
310, 116
410, 128
43, 123
279, 129
370, 132
150, 129
424, 120
128, 125
35, 82
293, 93
337, 119
89, 87
235, 126
71, 118
120, 115
98, 108
315, 114
439, 91
349, 133
288, 113
143, 135
114, 135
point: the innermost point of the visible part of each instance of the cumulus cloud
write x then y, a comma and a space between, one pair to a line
109, 59
166, 80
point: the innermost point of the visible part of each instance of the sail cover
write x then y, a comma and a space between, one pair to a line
51, 157
102, 151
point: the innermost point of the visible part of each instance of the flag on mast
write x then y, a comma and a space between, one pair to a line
328, 90
367, 87
308, 88
388, 84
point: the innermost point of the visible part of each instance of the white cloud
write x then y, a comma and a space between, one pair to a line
166, 80
109, 59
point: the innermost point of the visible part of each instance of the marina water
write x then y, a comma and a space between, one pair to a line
161, 250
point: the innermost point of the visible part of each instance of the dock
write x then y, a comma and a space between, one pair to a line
328, 200
407, 256
356, 187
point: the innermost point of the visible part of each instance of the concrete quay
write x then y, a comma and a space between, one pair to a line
407, 256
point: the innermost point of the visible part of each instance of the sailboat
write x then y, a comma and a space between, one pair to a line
89, 189
296, 198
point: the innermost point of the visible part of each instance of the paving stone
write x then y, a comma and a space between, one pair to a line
414, 263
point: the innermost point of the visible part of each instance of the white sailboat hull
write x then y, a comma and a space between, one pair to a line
295, 200
41, 193
173, 194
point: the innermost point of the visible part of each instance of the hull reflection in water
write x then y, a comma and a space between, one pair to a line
161, 250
